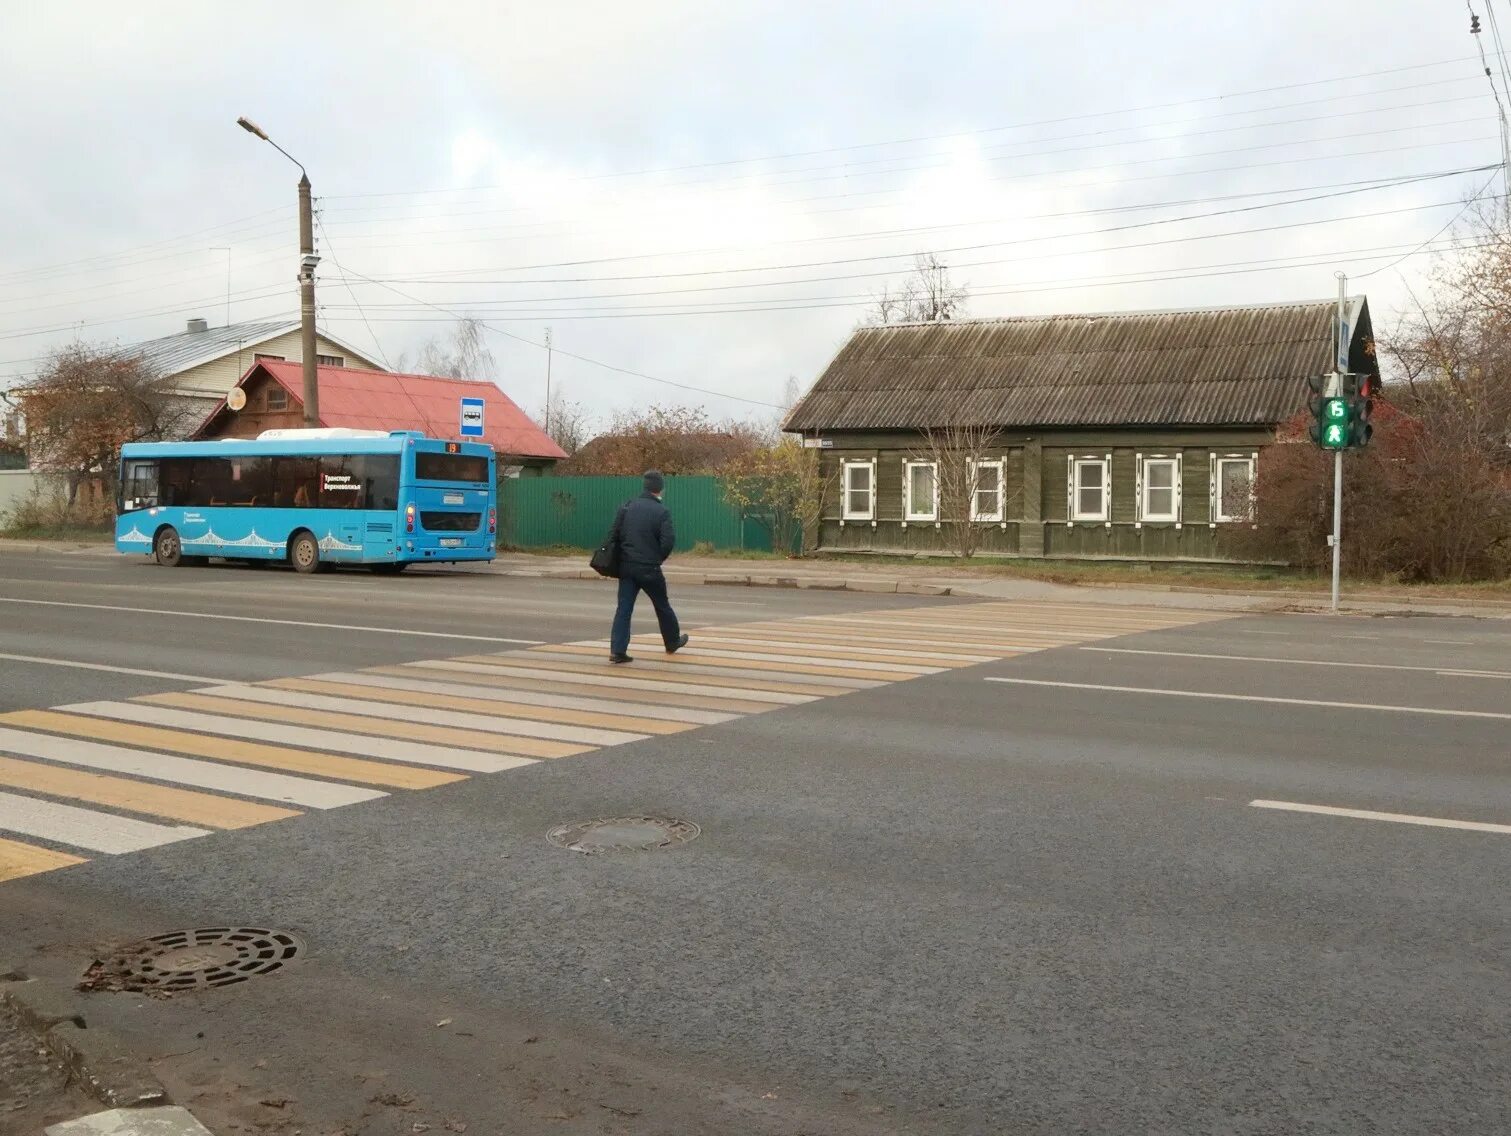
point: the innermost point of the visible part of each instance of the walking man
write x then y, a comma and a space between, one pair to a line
646, 538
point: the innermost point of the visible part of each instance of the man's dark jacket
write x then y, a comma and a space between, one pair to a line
646, 536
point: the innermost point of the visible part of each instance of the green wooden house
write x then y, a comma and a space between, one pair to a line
1133, 435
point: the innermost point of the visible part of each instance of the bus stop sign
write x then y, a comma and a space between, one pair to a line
472, 418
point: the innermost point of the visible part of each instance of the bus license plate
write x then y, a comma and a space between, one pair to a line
451, 542
453, 499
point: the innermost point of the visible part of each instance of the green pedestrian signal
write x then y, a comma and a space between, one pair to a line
1340, 409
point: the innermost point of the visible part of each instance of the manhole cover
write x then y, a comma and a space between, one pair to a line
623, 834
192, 960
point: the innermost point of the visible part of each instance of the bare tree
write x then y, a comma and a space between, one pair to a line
567, 423
925, 295
463, 354
970, 487
87, 403
791, 392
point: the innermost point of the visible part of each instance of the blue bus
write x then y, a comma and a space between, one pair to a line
310, 498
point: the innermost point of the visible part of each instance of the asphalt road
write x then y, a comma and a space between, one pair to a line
953, 904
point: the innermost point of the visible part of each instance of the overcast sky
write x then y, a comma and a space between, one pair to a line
709, 193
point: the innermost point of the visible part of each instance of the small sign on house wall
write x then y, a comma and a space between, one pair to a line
472, 418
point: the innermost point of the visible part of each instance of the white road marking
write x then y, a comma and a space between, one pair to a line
804, 657
1433, 710
619, 679
331, 741
102, 667
486, 723
735, 639
1298, 662
1358, 637
185, 771
1394, 818
644, 664
1448, 642
86, 828
278, 622
1257, 631
537, 698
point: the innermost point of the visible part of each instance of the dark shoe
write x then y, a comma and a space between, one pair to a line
621, 658
682, 642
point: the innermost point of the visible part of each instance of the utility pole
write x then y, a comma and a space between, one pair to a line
307, 262
548, 382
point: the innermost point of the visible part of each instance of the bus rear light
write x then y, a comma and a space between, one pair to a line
409, 518
493, 520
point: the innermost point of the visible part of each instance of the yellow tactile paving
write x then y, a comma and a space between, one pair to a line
739, 669
482, 706
389, 776
189, 806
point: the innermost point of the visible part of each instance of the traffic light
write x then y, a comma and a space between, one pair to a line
1361, 407
1330, 413
1340, 407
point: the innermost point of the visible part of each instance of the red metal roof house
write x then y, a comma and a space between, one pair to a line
381, 400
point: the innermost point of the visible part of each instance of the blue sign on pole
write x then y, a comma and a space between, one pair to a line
472, 418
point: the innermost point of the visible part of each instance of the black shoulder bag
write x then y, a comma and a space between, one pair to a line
605, 561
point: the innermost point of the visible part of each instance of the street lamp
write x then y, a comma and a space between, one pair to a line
307, 262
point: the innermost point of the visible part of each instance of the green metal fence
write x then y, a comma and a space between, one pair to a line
539, 512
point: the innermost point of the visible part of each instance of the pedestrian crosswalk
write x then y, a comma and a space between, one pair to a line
113, 777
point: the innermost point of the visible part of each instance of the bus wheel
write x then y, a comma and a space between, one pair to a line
167, 548
304, 553
386, 569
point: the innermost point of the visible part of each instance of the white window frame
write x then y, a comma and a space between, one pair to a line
1073, 486
846, 513
1145, 513
910, 510
999, 514
1218, 461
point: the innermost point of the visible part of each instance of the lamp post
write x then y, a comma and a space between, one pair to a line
307, 262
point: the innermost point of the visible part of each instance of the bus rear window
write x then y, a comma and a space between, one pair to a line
450, 467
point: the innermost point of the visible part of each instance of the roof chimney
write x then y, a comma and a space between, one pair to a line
198, 324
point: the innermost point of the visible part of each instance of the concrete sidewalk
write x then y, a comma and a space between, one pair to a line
933, 580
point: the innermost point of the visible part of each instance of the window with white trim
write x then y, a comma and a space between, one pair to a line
1160, 496
859, 491
920, 491
1235, 489
988, 494
1090, 482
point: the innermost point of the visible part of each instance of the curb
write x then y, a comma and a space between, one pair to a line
735, 580
103, 1066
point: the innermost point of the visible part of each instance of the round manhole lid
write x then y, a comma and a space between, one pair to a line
623, 834
199, 959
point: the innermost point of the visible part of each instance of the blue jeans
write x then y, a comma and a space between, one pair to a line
634, 579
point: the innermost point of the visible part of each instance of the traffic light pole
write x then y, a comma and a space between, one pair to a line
1342, 360
1337, 520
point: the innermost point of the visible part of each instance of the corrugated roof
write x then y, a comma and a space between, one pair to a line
383, 400
175, 353
1211, 367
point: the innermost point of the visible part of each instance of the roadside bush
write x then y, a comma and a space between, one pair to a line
1422, 503
46, 510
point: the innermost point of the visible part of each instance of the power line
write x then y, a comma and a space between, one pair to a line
472, 234
571, 354
331, 250
941, 137
895, 256
1452, 221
